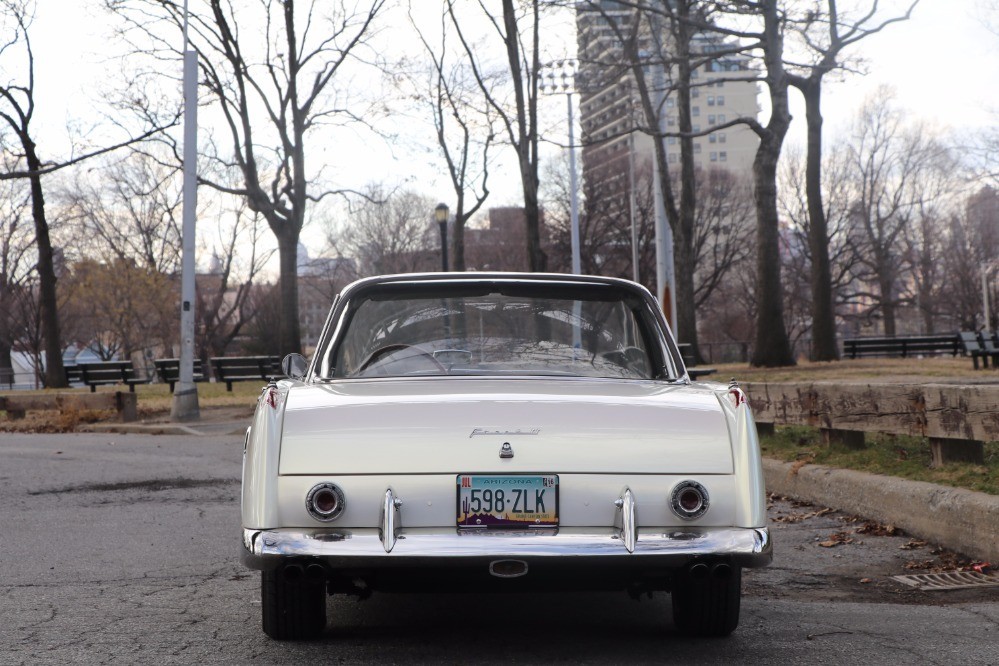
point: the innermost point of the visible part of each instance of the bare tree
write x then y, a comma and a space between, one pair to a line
128, 208
662, 45
124, 308
826, 32
273, 86
971, 246
604, 226
523, 65
463, 124
224, 303
837, 200
722, 230
892, 164
17, 109
16, 263
387, 233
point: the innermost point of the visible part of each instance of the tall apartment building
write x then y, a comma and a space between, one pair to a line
610, 109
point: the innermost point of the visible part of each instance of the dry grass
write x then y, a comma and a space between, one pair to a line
154, 403
906, 457
934, 369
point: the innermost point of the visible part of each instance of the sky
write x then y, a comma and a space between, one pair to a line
942, 64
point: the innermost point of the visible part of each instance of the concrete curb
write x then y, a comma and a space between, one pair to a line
961, 520
165, 429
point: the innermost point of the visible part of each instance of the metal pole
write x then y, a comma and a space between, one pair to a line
443, 224
185, 396
665, 277
632, 206
573, 195
985, 297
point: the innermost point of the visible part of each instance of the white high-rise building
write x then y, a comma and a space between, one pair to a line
610, 107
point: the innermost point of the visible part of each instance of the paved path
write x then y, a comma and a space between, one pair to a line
123, 549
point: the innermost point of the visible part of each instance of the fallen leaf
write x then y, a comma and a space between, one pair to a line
836, 539
877, 529
866, 580
912, 544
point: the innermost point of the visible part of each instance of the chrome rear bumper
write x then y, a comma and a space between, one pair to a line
449, 547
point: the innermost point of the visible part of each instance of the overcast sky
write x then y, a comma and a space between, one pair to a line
943, 64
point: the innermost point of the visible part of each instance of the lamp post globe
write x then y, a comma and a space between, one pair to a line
441, 213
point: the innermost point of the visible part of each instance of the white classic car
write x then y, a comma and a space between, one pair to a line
500, 432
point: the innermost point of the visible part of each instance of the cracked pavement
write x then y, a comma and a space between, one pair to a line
124, 549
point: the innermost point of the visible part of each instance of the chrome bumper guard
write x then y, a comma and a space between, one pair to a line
368, 547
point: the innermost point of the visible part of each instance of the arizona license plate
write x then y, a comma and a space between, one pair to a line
508, 500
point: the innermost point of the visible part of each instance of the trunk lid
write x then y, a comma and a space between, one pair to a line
459, 425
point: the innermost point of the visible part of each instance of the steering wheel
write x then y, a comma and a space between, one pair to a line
381, 352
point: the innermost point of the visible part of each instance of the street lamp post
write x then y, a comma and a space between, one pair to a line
441, 213
185, 396
560, 78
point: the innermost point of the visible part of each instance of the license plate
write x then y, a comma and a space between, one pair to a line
508, 500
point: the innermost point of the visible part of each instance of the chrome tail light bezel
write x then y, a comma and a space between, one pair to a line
676, 495
316, 492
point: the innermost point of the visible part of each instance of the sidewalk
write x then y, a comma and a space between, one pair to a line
194, 428
960, 520
213, 422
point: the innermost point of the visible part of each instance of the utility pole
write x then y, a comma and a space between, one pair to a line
665, 273
185, 395
560, 78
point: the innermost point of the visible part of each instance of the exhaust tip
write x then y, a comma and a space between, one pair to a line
699, 571
292, 572
721, 572
315, 572
508, 568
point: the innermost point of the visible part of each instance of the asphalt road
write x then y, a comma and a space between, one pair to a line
123, 549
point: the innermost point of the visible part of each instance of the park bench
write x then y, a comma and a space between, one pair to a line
109, 372
168, 370
124, 403
693, 371
904, 346
971, 345
73, 375
7, 377
990, 349
231, 369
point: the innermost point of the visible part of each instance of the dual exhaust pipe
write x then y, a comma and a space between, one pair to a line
312, 573
703, 572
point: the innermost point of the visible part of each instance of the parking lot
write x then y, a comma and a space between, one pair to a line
124, 549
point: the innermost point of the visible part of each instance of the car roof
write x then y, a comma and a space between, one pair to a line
476, 277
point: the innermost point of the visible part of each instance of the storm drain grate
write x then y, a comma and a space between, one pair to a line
952, 580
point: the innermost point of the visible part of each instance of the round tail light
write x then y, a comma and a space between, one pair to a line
689, 500
325, 502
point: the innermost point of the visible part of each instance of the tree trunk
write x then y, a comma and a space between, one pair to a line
772, 346
824, 347
6, 364
683, 230
458, 244
290, 333
887, 304
55, 374
526, 142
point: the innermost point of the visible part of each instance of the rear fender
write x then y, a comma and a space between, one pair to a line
751, 504
261, 456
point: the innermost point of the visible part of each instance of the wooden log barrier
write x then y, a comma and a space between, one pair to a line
122, 402
957, 419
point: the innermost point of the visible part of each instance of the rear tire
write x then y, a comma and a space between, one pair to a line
708, 605
292, 608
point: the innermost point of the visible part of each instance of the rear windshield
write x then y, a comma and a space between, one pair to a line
406, 333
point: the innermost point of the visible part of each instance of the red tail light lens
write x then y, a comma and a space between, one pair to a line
325, 502
689, 500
